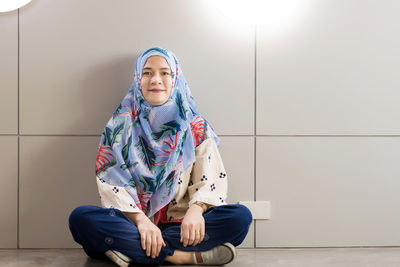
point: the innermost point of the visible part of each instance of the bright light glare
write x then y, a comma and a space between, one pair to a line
8, 5
262, 12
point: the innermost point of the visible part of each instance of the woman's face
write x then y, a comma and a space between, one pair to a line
156, 80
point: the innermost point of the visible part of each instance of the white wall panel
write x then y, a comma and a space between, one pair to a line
335, 71
57, 174
8, 72
8, 191
329, 191
238, 156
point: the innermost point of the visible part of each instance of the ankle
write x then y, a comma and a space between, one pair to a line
181, 257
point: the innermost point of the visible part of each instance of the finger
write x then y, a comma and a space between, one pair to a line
181, 234
148, 245
154, 246
143, 241
194, 236
159, 245
162, 241
191, 237
197, 237
202, 232
185, 235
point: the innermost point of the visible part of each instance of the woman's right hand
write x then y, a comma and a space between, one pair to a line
150, 235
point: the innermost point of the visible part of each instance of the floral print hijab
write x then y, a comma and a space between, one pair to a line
145, 148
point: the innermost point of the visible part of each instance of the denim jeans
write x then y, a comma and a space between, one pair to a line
100, 229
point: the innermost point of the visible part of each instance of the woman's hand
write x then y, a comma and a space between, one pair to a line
150, 235
193, 223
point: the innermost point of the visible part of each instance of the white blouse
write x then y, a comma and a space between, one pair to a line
204, 181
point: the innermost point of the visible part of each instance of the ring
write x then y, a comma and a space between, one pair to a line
197, 233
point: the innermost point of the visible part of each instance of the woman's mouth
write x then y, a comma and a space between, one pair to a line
156, 91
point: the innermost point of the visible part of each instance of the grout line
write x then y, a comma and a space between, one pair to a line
229, 135
255, 128
18, 143
297, 248
71, 135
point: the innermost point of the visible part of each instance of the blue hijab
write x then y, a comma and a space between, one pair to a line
145, 147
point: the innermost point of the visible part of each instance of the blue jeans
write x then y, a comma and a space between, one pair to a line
100, 229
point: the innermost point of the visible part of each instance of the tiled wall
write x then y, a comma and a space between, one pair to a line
308, 117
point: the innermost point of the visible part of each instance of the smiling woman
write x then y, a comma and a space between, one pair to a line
161, 179
156, 80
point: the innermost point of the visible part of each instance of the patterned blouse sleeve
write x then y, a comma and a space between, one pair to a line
208, 181
113, 196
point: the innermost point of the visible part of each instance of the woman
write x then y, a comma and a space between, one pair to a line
161, 179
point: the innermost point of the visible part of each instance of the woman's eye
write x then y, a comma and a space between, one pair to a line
148, 73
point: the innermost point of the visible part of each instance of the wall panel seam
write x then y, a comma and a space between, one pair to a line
18, 139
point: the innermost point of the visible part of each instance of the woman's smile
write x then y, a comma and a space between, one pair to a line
156, 90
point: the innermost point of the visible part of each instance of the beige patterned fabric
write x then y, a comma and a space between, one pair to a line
204, 181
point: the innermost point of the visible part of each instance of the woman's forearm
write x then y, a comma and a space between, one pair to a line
136, 217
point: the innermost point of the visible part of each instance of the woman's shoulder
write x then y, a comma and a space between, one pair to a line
207, 145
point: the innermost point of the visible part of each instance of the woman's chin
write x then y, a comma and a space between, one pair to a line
157, 103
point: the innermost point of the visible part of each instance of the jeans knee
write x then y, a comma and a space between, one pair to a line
242, 216
79, 215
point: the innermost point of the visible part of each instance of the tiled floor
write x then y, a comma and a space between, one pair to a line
309, 257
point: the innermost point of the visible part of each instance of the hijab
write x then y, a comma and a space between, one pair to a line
145, 148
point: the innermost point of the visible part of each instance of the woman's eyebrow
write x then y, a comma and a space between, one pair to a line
160, 68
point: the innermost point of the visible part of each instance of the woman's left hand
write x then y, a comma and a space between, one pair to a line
193, 223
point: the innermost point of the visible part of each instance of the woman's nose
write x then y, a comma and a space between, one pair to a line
155, 78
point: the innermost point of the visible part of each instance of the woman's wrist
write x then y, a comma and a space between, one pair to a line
203, 205
196, 208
